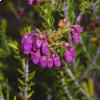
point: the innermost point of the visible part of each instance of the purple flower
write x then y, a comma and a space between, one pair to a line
76, 32
43, 61
50, 62
26, 43
35, 57
57, 61
72, 51
38, 42
45, 48
76, 38
34, 47
68, 56
76, 29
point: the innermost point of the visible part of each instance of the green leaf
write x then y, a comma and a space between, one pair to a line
7, 94
85, 86
31, 84
31, 75
0, 90
29, 88
30, 94
91, 87
28, 29
61, 51
21, 72
21, 82
13, 44
21, 88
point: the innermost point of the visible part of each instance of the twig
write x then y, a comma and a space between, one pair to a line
73, 78
26, 79
85, 49
92, 64
49, 97
65, 87
2, 98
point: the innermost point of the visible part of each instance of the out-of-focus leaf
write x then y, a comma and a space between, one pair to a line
21, 82
91, 87
21, 72
21, 88
7, 95
31, 84
14, 98
0, 90
85, 86
30, 94
13, 44
31, 75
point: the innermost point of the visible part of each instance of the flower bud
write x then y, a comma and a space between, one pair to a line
26, 43
76, 38
43, 61
38, 42
57, 61
35, 57
76, 29
34, 47
68, 56
50, 62
45, 48
72, 51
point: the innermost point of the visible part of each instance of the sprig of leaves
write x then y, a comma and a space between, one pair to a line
26, 82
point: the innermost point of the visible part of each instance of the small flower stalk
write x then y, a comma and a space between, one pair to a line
42, 48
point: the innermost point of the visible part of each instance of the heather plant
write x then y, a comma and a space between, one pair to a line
56, 54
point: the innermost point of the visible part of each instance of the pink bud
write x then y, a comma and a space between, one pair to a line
76, 29
72, 51
34, 47
68, 56
57, 61
26, 43
45, 48
76, 38
50, 62
35, 57
43, 61
38, 42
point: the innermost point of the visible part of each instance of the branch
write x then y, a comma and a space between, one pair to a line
92, 64
85, 49
65, 87
73, 78
26, 79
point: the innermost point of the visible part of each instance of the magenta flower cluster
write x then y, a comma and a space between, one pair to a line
39, 48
